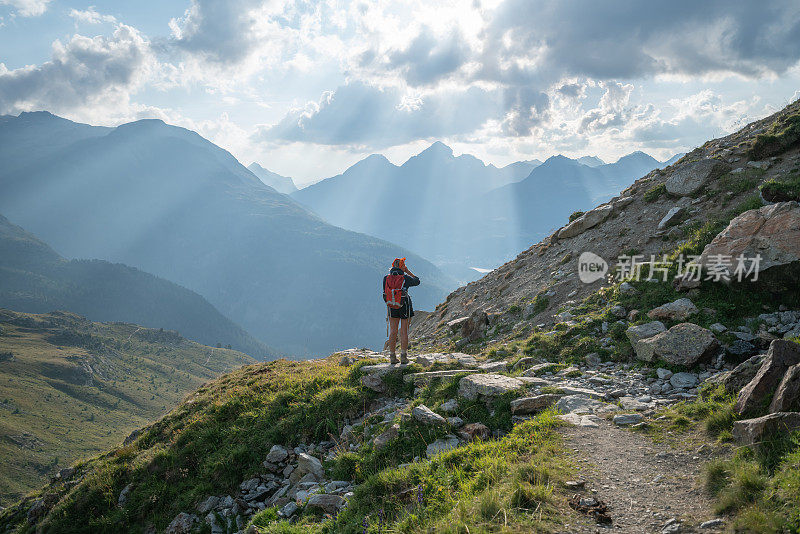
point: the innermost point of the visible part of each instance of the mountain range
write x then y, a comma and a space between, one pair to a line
459, 212
35, 279
281, 184
167, 201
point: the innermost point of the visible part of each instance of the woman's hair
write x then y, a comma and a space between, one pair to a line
399, 263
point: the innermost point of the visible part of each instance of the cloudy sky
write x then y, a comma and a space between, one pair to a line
307, 88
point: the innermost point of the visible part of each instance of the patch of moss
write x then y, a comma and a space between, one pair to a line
655, 192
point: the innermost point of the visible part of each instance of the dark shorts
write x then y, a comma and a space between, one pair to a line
403, 312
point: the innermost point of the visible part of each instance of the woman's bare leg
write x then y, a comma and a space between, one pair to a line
393, 324
404, 340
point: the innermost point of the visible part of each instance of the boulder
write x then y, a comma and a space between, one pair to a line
487, 385
182, 524
208, 504
277, 454
637, 334
680, 310
738, 377
672, 217
587, 220
683, 344
528, 405
540, 368
456, 324
475, 431
688, 178
781, 355
373, 382
383, 439
441, 445
773, 232
493, 367
525, 362
593, 359
449, 406
123, 495
787, 396
753, 431
327, 502
475, 326
426, 416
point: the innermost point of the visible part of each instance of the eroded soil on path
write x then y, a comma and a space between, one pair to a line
644, 484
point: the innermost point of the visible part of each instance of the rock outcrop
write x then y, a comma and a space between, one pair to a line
689, 178
487, 385
637, 334
683, 344
787, 396
587, 220
781, 356
753, 431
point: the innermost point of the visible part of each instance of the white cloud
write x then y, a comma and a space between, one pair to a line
27, 8
91, 16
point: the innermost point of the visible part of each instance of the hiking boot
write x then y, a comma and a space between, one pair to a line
392, 359
403, 358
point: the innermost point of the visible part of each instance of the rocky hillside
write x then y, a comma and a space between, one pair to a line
679, 208
70, 388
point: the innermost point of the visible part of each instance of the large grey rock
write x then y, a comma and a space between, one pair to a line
456, 324
625, 419
208, 504
528, 405
587, 220
683, 344
741, 375
690, 177
327, 502
787, 396
277, 454
578, 404
441, 445
771, 232
475, 326
426, 416
373, 382
449, 406
427, 376
781, 355
679, 310
540, 368
493, 367
487, 385
637, 334
753, 431
182, 524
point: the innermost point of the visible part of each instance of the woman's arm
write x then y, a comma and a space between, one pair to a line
411, 279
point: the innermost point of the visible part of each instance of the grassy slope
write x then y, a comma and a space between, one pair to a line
56, 410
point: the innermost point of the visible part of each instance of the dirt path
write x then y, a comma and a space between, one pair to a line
644, 484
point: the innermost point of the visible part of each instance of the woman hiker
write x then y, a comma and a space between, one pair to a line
399, 309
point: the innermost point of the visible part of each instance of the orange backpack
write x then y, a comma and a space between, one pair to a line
393, 290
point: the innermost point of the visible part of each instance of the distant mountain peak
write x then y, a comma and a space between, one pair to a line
438, 149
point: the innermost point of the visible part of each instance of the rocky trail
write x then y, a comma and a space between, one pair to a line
646, 486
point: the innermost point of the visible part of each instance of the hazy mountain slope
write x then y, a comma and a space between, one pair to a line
72, 388
590, 161
165, 200
35, 279
281, 184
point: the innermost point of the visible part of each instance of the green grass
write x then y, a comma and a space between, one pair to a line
575, 214
782, 135
740, 182
540, 303
507, 485
782, 189
655, 192
68, 413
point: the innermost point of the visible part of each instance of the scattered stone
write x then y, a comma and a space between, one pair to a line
455, 422
475, 431
123, 495
637, 334
182, 524
493, 367
475, 326
593, 359
752, 431
626, 288
683, 380
781, 355
441, 445
277, 454
673, 216
327, 502
618, 311
625, 419
307, 464
679, 310
289, 509
663, 374
741, 348
592, 507
487, 385
737, 378
718, 328
208, 504
426, 416
713, 523
383, 439
578, 404
540, 368
373, 382
584, 421
529, 405
690, 177
449, 406
525, 362
683, 344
